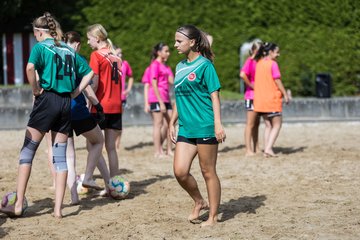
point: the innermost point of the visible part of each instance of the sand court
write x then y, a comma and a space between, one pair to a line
310, 191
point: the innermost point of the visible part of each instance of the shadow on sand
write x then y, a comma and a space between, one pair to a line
230, 209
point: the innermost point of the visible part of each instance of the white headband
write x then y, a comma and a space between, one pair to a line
41, 29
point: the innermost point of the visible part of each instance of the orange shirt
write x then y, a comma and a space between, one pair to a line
267, 96
108, 67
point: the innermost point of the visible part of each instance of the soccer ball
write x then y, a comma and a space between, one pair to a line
79, 188
10, 199
119, 188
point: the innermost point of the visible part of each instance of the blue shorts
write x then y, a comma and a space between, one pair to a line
196, 141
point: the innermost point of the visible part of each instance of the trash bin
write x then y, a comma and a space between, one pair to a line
323, 85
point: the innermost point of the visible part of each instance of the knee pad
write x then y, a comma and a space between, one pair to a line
28, 150
59, 157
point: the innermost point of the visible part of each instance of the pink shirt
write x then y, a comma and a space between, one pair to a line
249, 69
275, 71
146, 76
161, 73
126, 72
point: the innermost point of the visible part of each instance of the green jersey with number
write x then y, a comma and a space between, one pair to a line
57, 66
194, 83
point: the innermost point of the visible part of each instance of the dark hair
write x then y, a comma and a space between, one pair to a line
156, 48
202, 44
264, 50
71, 37
48, 22
255, 47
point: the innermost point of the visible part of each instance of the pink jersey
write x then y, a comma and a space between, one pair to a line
146, 76
275, 71
249, 69
126, 72
161, 73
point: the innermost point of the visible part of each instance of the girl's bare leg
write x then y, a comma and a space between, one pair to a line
50, 157
184, 156
71, 164
24, 171
157, 125
251, 117
94, 144
255, 135
110, 137
208, 157
267, 131
276, 123
60, 182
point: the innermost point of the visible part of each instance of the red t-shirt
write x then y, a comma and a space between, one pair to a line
108, 67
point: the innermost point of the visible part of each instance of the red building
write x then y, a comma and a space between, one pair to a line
16, 48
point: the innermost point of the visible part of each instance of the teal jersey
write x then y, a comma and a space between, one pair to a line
194, 83
58, 66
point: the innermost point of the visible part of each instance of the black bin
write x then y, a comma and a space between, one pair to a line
323, 85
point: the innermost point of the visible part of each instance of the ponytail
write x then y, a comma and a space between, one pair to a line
97, 30
48, 23
53, 28
202, 44
264, 50
156, 48
111, 46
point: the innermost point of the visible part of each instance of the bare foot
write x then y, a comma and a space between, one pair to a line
196, 210
170, 153
250, 154
269, 154
56, 216
209, 222
74, 203
159, 155
11, 211
91, 184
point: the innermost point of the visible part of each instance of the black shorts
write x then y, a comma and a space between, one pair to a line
123, 104
196, 141
271, 114
51, 111
249, 104
112, 121
155, 107
82, 126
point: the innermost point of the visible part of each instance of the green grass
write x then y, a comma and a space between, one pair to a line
229, 95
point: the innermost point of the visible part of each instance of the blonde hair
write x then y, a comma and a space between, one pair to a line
97, 30
48, 22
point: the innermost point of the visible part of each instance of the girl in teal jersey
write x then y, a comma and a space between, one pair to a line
56, 64
197, 110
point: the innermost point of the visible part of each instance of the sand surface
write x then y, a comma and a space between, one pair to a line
311, 191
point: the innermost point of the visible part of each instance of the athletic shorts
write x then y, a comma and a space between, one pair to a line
112, 121
196, 141
155, 107
123, 104
51, 111
271, 114
249, 104
82, 126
